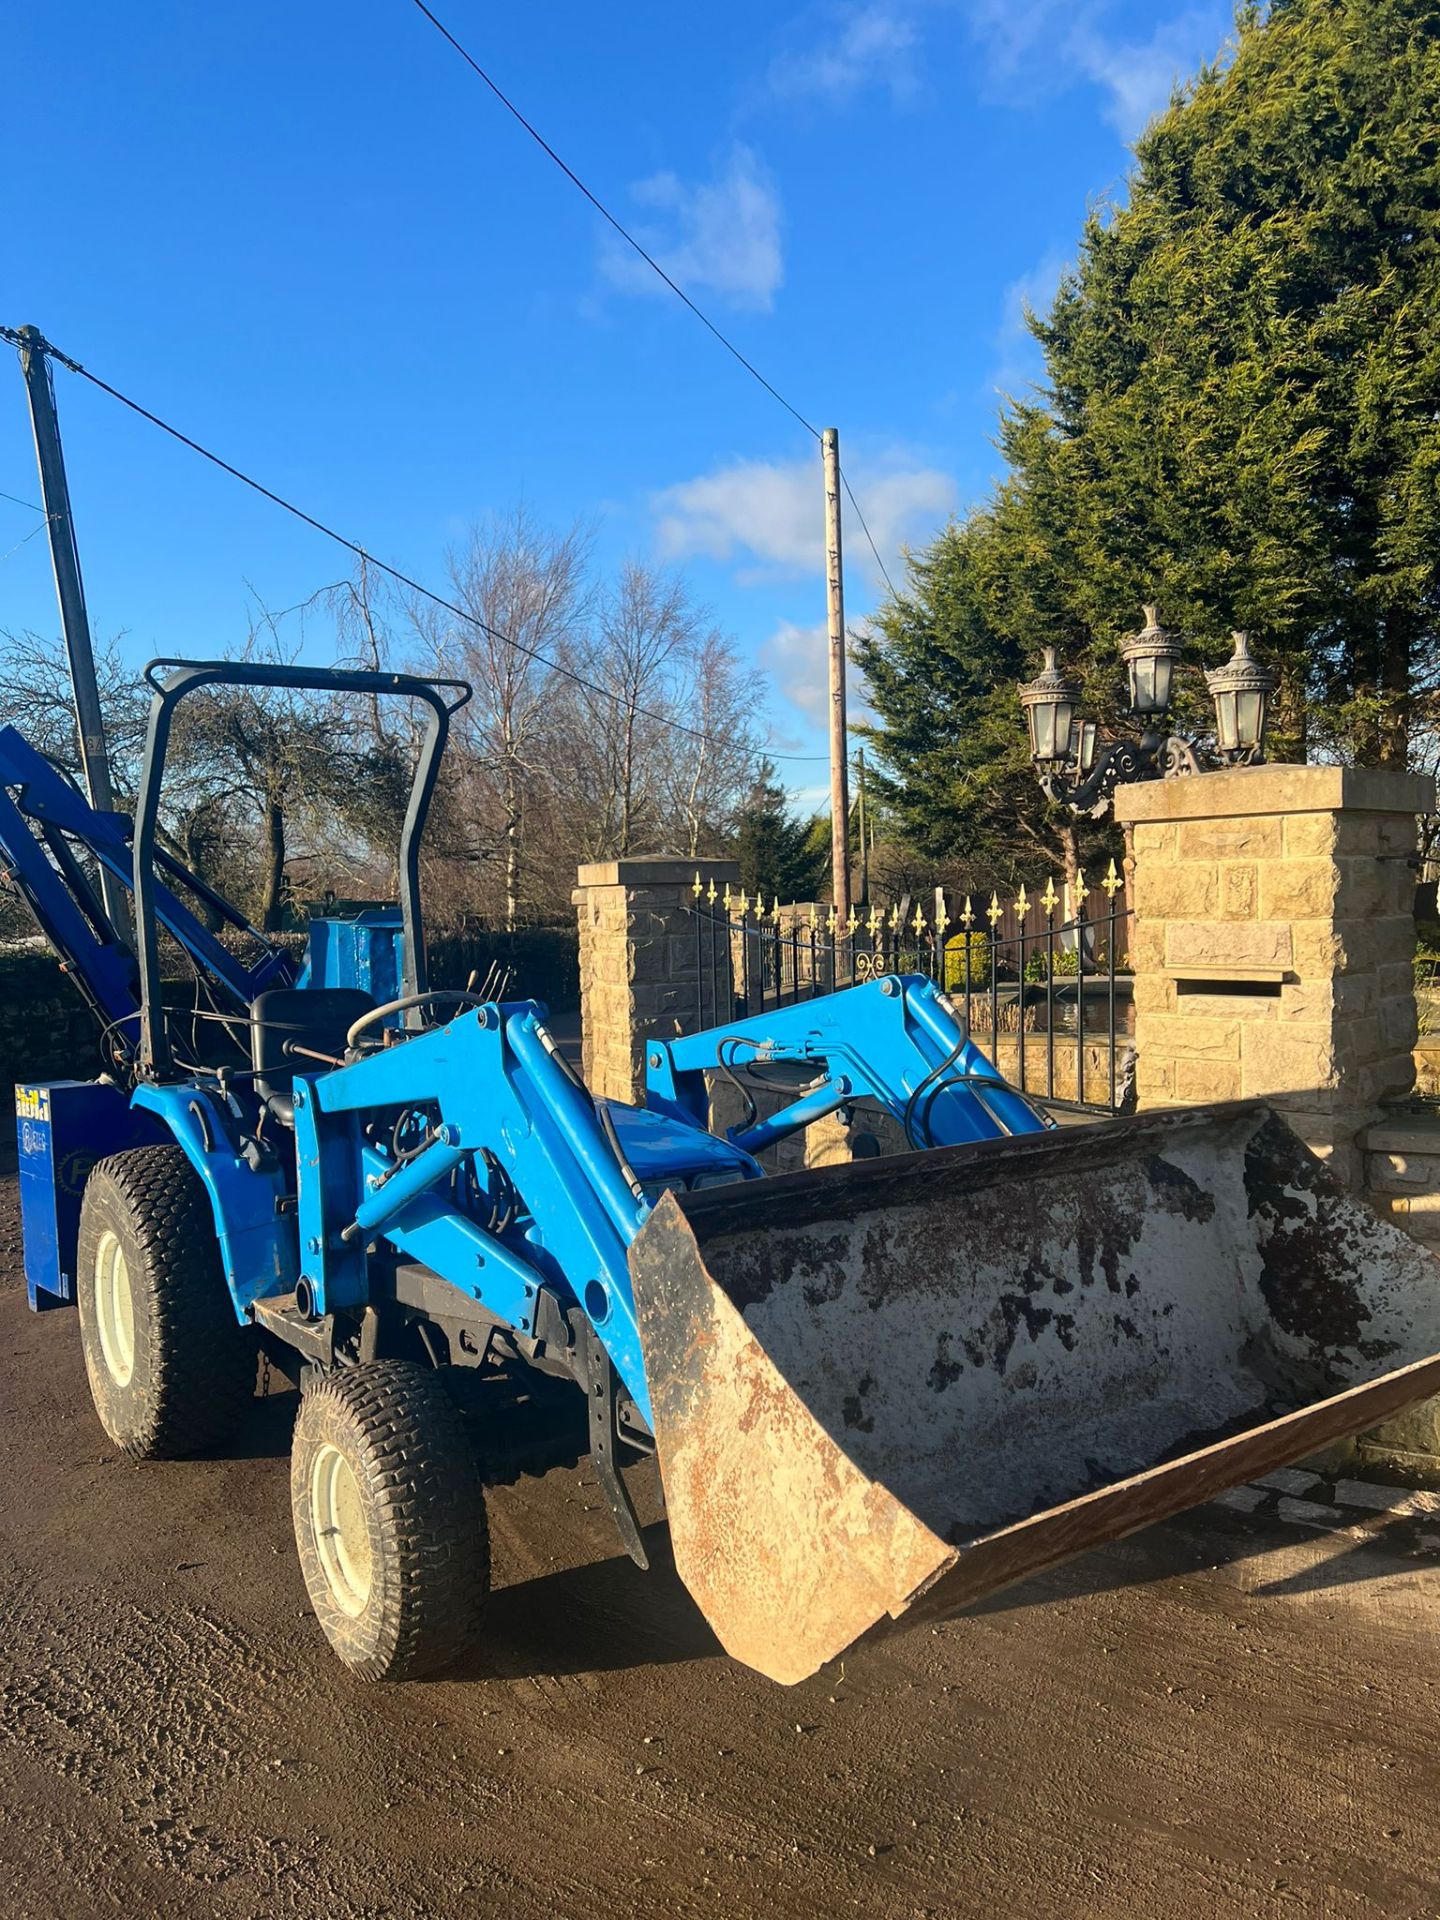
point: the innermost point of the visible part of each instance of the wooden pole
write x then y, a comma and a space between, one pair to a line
839, 750
864, 845
70, 592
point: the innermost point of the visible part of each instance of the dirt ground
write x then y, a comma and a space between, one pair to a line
1233, 1716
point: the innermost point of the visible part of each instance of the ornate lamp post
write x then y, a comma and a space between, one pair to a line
1063, 745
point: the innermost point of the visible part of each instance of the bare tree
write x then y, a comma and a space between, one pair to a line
527, 594
37, 697
709, 766
634, 662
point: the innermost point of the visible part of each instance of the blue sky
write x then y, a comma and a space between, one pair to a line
308, 236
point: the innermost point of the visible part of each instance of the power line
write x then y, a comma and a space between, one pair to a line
605, 214
23, 538
845, 482
363, 553
649, 259
14, 498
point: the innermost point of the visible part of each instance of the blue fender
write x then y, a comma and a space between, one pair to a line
257, 1242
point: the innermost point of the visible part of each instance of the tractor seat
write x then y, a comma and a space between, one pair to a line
315, 1017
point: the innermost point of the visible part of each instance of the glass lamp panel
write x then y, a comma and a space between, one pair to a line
1250, 718
1162, 672
1064, 724
1227, 729
1139, 675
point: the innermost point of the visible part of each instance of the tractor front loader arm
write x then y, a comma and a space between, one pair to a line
895, 1042
493, 1091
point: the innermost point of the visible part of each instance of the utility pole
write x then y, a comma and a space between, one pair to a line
839, 746
864, 843
70, 592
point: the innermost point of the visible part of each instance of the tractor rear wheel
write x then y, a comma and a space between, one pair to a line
389, 1517
171, 1369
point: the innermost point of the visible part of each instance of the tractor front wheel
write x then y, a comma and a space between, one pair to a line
389, 1518
171, 1369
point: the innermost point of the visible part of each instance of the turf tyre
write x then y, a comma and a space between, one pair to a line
171, 1370
389, 1516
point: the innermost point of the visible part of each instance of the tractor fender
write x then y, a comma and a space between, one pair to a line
258, 1246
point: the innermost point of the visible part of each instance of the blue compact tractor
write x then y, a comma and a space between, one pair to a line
871, 1388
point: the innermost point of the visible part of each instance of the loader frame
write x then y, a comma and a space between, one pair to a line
459, 1193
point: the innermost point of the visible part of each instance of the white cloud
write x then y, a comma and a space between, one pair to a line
773, 512
1019, 362
797, 658
719, 236
1141, 76
1035, 47
869, 45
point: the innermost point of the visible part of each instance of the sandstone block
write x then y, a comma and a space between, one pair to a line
1288, 1059
1398, 1023
1190, 1037
1155, 841
1155, 1082
1383, 940
1403, 1172
1309, 834
1234, 839
1153, 993
1357, 1040
1258, 943
1203, 1080
1371, 887
1239, 890
1319, 953
1297, 889
1245, 792
1188, 892
1147, 946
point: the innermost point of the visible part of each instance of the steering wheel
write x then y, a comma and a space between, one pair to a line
460, 995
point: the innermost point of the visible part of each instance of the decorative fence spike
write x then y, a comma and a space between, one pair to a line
1022, 903
1112, 883
994, 911
1081, 889
918, 923
876, 920
967, 917
1049, 900
699, 886
712, 896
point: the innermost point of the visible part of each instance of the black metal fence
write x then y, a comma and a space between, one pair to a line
1040, 980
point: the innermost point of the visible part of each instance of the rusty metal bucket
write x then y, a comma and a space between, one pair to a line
893, 1387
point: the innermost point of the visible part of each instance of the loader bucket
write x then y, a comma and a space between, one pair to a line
893, 1387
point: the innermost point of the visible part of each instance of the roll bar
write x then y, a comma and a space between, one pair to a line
185, 677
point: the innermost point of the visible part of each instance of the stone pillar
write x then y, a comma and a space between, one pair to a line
642, 970
1273, 943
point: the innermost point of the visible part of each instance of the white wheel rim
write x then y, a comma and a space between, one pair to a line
115, 1309
342, 1537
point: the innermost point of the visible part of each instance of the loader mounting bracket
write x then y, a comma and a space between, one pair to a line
598, 1380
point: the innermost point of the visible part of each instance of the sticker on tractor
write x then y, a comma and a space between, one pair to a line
32, 1103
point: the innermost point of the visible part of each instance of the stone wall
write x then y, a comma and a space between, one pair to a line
639, 963
1273, 943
